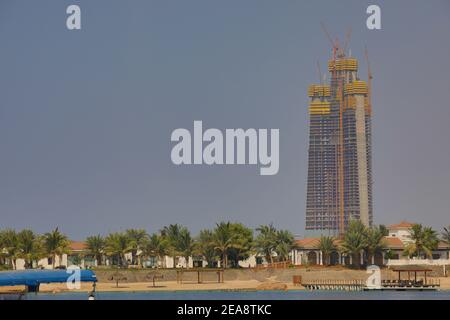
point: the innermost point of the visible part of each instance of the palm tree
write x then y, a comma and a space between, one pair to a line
96, 247
242, 243
2, 253
223, 241
186, 245
265, 242
423, 241
171, 234
30, 247
446, 235
384, 230
284, 243
375, 242
9, 246
156, 246
117, 245
137, 239
206, 247
327, 247
355, 241
55, 244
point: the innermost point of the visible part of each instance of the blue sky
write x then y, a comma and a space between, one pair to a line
86, 116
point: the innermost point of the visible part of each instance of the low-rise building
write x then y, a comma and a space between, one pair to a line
77, 254
307, 251
400, 236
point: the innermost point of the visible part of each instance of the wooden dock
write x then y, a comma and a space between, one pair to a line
360, 285
341, 285
410, 285
413, 282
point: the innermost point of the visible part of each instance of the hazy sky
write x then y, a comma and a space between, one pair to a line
86, 116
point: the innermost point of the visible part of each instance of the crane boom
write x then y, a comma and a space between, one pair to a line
320, 72
347, 40
334, 43
370, 77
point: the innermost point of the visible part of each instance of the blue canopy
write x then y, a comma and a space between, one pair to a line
36, 277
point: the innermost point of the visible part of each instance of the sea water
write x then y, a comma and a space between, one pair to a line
248, 295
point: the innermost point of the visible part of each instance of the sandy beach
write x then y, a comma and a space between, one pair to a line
238, 285
147, 286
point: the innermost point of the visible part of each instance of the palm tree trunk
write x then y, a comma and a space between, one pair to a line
356, 261
53, 261
223, 260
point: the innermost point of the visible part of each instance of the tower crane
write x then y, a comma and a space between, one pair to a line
334, 43
370, 77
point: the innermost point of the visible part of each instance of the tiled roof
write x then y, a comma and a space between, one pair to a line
401, 225
393, 243
312, 243
390, 242
309, 243
77, 245
443, 245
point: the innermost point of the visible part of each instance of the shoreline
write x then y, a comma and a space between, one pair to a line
167, 286
170, 286
234, 280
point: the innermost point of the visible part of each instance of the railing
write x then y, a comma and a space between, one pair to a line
342, 285
360, 285
429, 283
277, 265
429, 262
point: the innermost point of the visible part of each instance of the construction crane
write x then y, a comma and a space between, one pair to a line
334, 43
346, 42
339, 52
320, 72
370, 77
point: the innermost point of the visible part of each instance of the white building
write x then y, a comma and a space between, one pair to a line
307, 251
400, 234
76, 255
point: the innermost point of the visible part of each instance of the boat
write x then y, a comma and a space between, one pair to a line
32, 279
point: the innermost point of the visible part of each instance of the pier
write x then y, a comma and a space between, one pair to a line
414, 282
341, 285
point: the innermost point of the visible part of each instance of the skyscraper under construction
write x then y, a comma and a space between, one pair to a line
339, 160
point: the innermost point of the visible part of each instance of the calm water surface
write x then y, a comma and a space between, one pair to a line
251, 295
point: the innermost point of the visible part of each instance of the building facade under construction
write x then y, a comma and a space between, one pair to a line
339, 184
